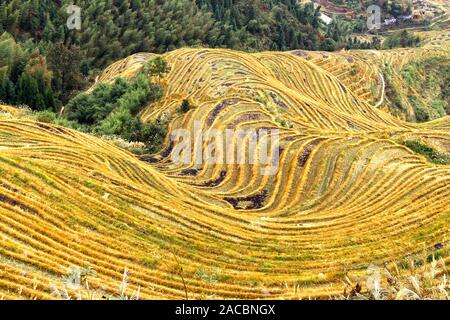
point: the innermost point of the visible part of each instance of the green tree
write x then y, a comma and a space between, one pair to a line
65, 63
28, 92
157, 67
111, 109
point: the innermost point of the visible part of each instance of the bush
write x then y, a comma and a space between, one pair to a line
422, 114
46, 116
71, 124
111, 110
410, 74
327, 45
430, 153
438, 106
121, 123
185, 106
153, 135
115, 123
81, 109
402, 39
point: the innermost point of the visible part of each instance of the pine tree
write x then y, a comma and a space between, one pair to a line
157, 67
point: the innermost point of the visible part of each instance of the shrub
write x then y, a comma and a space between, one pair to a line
153, 135
438, 106
430, 153
45, 116
422, 114
185, 106
111, 110
327, 45
409, 73
81, 109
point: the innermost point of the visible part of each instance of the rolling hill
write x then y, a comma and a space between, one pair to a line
347, 193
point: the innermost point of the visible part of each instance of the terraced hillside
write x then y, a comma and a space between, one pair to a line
381, 77
346, 194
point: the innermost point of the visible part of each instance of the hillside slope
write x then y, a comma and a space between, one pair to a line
346, 194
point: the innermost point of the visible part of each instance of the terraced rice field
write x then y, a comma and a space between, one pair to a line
346, 194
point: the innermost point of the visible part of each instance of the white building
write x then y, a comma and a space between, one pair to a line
325, 18
388, 22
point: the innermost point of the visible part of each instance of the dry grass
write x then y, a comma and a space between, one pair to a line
427, 282
76, 286
346, 194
